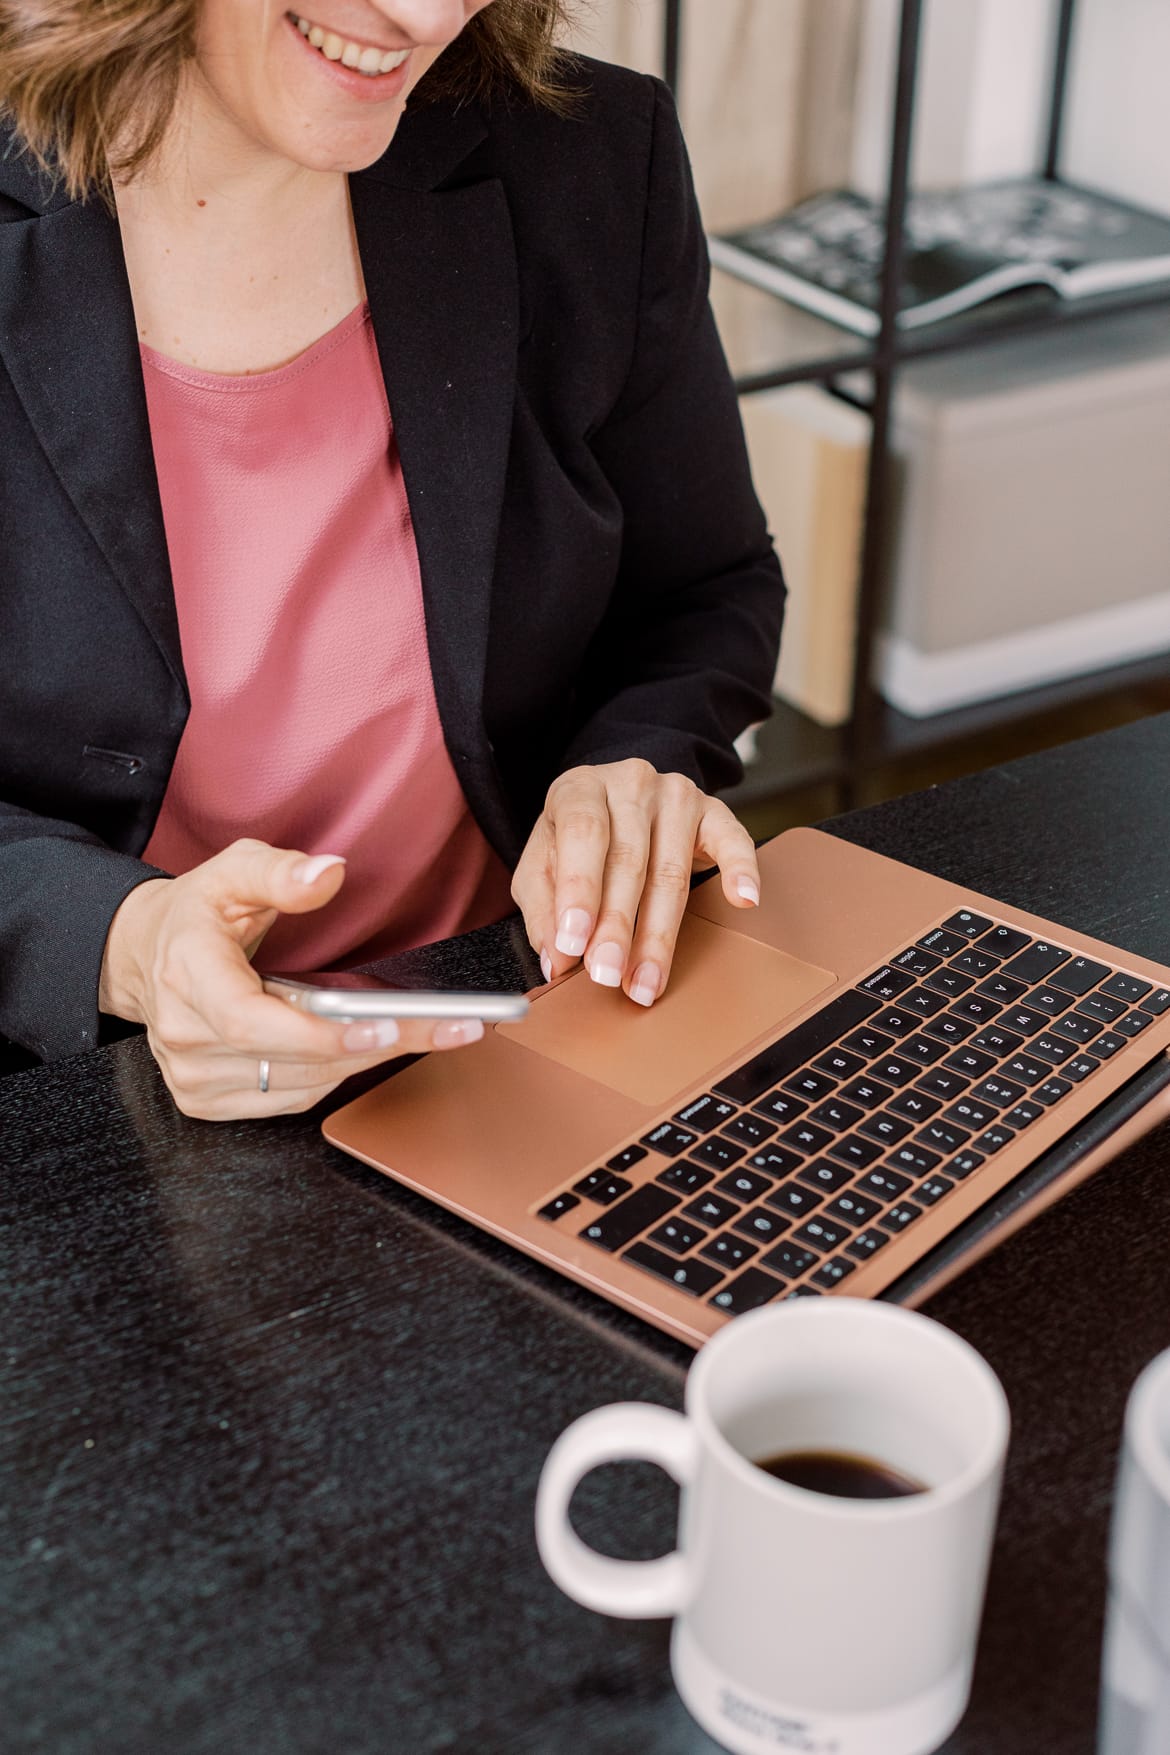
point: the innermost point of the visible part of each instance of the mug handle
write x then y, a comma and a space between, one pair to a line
623, 1432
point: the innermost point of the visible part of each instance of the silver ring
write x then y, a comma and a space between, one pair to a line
265, 1069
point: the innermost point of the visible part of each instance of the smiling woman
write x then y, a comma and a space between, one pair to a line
379, 547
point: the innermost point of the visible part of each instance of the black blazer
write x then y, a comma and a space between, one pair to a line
598, 581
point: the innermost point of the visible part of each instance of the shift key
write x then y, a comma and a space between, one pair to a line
626, 1219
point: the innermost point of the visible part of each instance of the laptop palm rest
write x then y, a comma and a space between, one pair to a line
725, 991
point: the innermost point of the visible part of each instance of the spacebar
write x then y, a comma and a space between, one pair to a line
780, 1058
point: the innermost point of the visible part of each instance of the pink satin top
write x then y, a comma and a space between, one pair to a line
313, 720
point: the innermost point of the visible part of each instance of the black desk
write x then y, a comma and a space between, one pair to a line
270, 1427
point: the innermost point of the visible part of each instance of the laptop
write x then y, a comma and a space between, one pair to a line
853, 1089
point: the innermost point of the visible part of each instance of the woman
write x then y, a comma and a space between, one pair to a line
374, 515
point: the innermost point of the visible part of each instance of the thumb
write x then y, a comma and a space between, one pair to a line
249, 877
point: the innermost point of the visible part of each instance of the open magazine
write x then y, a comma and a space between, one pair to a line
963, 247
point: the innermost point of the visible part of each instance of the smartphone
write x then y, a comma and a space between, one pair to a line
345, 995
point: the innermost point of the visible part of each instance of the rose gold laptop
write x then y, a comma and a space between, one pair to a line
855, 1087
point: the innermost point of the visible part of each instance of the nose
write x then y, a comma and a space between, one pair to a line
431, 22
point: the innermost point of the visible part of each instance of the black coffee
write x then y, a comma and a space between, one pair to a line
840, 1473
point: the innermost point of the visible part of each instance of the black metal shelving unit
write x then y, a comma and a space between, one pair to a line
795, 751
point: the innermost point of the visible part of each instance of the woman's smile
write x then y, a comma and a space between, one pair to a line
366, 70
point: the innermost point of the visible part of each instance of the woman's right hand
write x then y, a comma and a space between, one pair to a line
176, 960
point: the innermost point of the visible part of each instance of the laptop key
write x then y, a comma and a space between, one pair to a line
1049, 1000
821, 1233
867, 1042
970, 1113
949, 1029
620, 1224
749, 1290
602, 1187
1101, 1007
781, 1106
891, 1069
1052, 1048
972, 1062
923, 1050
670, 1140
774, 1161
695, 1277
979, 1007
993, 1139
963, 1163
1157, 1001
741, 1184
1027, 1069
867, 1243
1108, 1044
688, 1178
1037, 962
914, 1159
1078, 975
761, 1225
837, 1115
1024, 1020
966, 923
794, 1199
944, 1082
867, 1093
1126, 987
944, 943
933, 1189
902, 1215
888, 1129
917, 961
852, 1149
790, 1259
718, 1153
1004, 941
1079, 1067
943, 1136
704, 1113
729, 1251
1051, 1091
976, 963
924, 1002
884, 1184
1076, 1028
1131, 1024
915, 1105
896, 1021
678, 1236
751, 1130
949, 981
712, 1209
998, 1041
781, 1058
887, 983
558, 1206
838, 1063
811, 1084
825, 1176
1023, 1113
830, 1272
1001, 987
999, 1092
806, 1137
853, 1209
626, 1159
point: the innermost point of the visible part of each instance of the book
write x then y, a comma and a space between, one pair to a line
809, 454
962, 247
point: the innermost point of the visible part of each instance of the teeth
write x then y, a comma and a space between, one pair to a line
367, 60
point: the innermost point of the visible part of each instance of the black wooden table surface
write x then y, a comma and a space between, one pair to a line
270, 1427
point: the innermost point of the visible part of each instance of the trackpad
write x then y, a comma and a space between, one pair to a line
725, 990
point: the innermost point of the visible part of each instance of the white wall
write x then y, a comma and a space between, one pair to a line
1118, 134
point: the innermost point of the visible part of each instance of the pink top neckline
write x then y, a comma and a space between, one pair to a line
232, 383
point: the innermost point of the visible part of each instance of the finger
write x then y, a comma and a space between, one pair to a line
533, 893
250, 876
722, 840
578, 814
667, 886
623, 880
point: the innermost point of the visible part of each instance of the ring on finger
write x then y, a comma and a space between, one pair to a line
265, 1069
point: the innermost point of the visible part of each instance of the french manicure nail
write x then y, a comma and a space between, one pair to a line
606, 965
309, 870
644, 987
545, 964
457, 1032
748, 890
573, 932
382, 1034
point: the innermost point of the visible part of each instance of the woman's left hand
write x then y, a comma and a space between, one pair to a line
607, 871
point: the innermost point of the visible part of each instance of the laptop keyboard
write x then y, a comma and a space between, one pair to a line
809, 1157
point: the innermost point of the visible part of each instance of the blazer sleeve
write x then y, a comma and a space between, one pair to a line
685, 656
60, 888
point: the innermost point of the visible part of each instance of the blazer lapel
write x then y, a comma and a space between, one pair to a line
440, 271
69, 344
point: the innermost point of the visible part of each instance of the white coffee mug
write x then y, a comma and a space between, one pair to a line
807, 1622
1135, 1693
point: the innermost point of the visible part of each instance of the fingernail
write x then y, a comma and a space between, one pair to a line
377, 1035
644, 987
606, 965
457, 1033
309, 870
748, 890
545, 964
573, 932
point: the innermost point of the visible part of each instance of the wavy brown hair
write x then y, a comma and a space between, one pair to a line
76, 76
